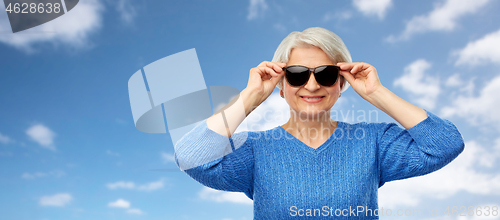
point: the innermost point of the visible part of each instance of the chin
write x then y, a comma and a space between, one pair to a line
313, 113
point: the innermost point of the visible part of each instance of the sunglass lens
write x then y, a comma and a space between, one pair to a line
326, 75
297, 75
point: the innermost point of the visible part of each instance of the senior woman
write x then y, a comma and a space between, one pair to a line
312, 165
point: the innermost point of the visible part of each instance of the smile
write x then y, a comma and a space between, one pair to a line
312, 99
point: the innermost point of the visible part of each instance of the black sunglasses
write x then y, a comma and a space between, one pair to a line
297, 75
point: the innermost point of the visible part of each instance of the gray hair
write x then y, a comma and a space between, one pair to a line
326, 40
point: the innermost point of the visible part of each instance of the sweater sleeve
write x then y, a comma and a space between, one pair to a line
217, 161
422, 149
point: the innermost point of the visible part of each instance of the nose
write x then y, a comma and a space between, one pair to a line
311, 84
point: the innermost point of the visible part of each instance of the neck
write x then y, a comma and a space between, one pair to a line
310, 128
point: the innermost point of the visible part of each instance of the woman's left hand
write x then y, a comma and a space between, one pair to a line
364, 80
362, 77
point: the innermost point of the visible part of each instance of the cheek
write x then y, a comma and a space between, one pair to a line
335, 89
334, 93
286, 89
291, 91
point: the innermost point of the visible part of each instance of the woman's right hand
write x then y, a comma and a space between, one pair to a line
261, 83
263, 79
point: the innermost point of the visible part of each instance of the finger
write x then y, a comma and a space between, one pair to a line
359, 67
348, 76
264, 63
266, 72
355, 68
275, 80
277, 67
346, 66
281, 64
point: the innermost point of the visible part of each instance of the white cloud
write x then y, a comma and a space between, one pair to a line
33, 175
458, 84
71, 29
131, 185
256, 9
222, 196
478, 110
373, 7
481, 215
454, 81
42, 135
135, 211
444, 17
461, 175
271, 113
167, 158
59, 200
280, 27
112, 153
120, 203
121, 185
341, 15
6, 154
124, 204
4, 139
126, 10
423, 88
151, 186
55, 173
484, 50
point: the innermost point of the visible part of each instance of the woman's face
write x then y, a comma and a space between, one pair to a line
302, 100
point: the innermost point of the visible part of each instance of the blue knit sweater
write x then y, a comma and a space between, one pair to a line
289, 180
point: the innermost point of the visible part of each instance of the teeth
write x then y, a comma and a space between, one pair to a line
311, 98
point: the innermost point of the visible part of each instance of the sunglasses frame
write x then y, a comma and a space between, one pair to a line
312, 70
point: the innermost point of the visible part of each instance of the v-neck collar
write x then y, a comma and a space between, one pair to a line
338, 132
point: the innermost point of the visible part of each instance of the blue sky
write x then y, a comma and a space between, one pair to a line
69, 148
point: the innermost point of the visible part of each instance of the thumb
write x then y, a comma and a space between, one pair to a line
275, 80
348, 76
